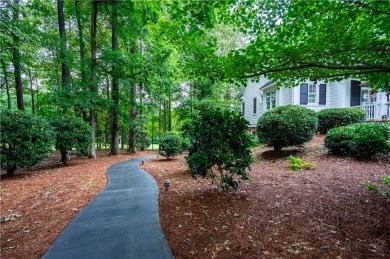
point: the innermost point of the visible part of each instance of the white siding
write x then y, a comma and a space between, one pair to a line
287, 95
252, 90
333, 94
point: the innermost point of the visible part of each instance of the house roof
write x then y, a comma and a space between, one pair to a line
266, 84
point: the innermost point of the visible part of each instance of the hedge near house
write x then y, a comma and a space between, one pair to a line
361, 140
25, 140
220, 147
71, 132
288, 125
337, 117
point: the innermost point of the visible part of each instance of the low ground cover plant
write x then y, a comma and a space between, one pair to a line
337, 117
375, 189
297, 163
284, 126
25, 140
361, 140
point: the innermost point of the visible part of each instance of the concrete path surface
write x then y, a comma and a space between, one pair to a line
121, 222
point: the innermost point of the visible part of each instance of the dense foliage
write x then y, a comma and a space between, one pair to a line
71, 132
25, 140
336, 117
142, 141
220, 147
170, 144
361, 140
289, 125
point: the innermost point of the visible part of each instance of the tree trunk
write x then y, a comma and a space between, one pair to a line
133, 92
11, 170
82, 53
169, 112
6, 85
115, 86
92, 150
31, 91
16, 60
65, 157
61, 29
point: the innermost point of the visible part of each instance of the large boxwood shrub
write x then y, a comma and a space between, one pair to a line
25, 140
170, 144
336, 117
361, 140
289, 125
71, 132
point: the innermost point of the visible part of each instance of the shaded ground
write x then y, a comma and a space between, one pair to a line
323, 212
37, 204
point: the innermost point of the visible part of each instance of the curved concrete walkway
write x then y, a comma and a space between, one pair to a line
121, 222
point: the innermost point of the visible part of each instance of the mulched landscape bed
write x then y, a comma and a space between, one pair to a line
323, 212
37, 204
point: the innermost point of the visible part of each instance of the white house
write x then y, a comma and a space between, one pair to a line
256, 98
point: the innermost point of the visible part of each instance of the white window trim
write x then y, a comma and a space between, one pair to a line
317, 100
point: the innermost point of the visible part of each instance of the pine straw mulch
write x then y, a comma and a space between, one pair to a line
323, 212
37, 204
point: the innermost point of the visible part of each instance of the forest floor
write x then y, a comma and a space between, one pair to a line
37, 204
322, 212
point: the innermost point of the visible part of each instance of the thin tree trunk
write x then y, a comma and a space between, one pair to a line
92, 150
82, 52
133, 92
16, 60
6, 85
31, 91
61, 29
169, 112
115, 86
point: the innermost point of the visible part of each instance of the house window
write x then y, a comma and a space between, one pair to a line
270, 99
312, 94
254, 105
243, 108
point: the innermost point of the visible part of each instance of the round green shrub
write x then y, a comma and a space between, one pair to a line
170, 145
361, 140
284, 126
71, 132
25, 140
336, 117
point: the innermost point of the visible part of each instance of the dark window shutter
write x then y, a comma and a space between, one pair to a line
355, 93
303, 94
243, 109
322, 94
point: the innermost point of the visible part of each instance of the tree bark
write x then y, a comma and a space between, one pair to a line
61, 30
31, 91
16, 60
115, 85
92, 150
82, 53
6, 85
133, 92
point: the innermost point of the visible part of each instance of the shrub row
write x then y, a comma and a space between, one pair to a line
336, 117
361, 140
27, 139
